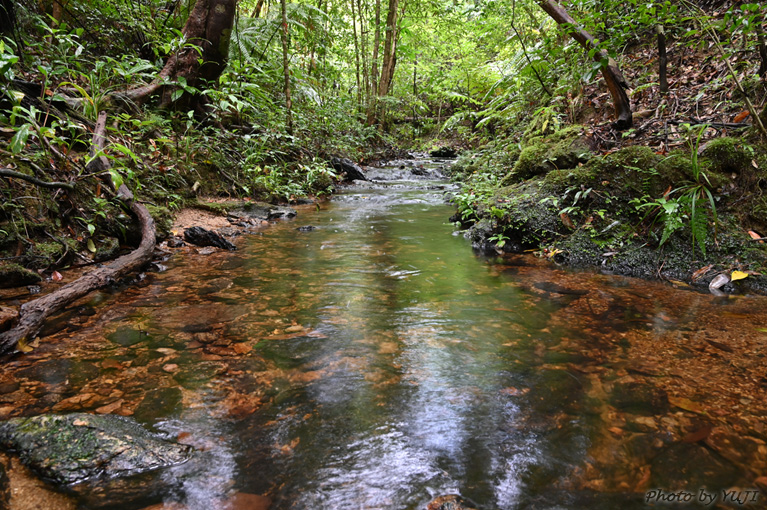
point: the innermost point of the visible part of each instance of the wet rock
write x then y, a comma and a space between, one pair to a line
69, 449
13, 275
159, 402
8, 317
686, 465
176, 242
351, 170
306, 228
260, 211
639, 398
202, 237
450, 502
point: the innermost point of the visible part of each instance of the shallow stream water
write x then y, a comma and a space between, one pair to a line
374, 362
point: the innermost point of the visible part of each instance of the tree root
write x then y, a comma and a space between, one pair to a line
34, 313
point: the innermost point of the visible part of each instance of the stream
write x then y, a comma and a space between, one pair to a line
373, 361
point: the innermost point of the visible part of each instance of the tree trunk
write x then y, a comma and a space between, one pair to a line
356, 55
616, 83
286, 67
762, 51
364, 51
662, 60
257, 9
390, 50
209, 28
373, 104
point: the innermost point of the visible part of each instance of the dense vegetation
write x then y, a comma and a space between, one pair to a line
252, 99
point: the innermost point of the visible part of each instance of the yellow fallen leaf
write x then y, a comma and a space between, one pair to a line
24, 347
738, 275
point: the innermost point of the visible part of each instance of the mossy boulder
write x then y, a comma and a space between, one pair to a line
563, 149
68, 449
727, 155
13, 275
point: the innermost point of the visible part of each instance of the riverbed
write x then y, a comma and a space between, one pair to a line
362, 356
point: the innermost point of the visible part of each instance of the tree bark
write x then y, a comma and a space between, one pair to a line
762, 51
285, 67
390, 50
616, 83
372, 105
356, 54
33, 313
208, 28
662, 59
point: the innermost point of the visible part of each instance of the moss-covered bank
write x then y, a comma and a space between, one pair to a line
631, 212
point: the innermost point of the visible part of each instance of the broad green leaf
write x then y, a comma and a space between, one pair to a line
19, 140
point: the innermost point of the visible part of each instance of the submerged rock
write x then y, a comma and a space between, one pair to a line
72, 448
449, 502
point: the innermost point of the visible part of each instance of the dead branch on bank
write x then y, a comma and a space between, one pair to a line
34, 313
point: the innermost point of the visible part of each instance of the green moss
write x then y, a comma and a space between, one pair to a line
726, 155
13, 275
45, 254
163, 220
563, 149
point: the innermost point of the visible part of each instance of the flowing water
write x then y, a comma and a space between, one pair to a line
374, 362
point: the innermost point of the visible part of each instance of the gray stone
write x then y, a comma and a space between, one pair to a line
72, 448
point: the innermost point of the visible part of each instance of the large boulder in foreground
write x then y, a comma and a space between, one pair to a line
72, 448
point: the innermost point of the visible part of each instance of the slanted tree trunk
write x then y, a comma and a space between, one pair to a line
257, 9
209, 29
616, 83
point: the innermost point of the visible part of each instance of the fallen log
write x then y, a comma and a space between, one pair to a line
33, 314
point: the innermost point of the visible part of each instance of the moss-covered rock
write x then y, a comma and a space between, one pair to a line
14, 275
727, 155
563, 149
68, 449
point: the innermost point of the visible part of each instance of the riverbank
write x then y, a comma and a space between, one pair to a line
689, 217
